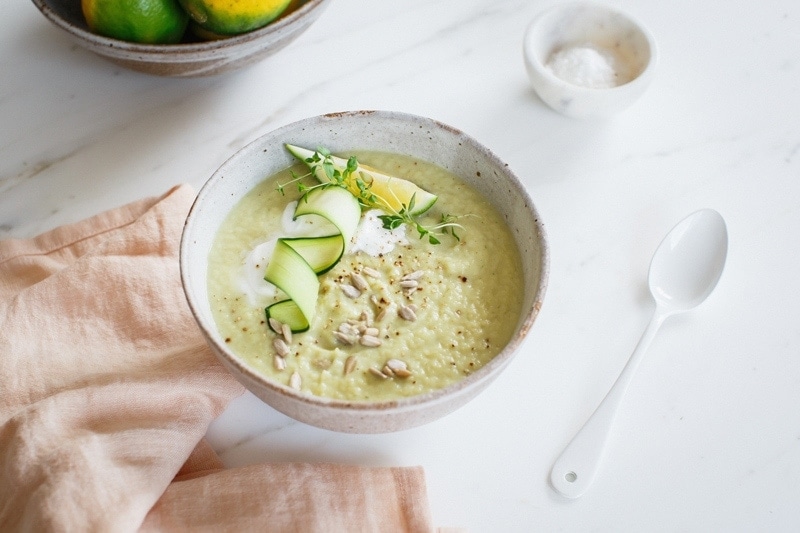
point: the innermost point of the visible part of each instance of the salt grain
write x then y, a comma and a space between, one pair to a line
588, 66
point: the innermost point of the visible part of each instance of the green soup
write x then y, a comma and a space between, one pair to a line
461, 313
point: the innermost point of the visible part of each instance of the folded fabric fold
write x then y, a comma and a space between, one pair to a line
107, 388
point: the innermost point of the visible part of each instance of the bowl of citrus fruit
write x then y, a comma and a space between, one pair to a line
364, 271
182, 38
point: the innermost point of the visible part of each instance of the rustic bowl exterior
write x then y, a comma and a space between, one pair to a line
419, 137
193, 59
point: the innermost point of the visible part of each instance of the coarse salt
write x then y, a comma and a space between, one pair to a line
587, 66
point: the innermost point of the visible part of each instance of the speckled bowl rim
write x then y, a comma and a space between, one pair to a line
182, 52
495, 365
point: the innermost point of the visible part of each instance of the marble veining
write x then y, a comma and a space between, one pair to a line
708, 438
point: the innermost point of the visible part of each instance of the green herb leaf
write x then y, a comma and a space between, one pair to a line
393, 219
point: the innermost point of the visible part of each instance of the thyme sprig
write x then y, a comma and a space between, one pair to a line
446, 225
322, 159
353, 181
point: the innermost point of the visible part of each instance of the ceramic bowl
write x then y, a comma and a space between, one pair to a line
188, 59
602, 31
418, 137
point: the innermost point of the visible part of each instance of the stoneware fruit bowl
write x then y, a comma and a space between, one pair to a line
186, 59
588, 60
426, 140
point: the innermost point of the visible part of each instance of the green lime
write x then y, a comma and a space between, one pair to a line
140, 21
231, 17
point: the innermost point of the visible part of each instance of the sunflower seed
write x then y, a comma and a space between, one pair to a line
348, 329
295, 381
371, 272
276, 325
370, 341
345, 338
349, 364
350, 291
358, 281
365, 318
287, 333
281, 347
402, 373
279, 362
407, 312
387, 372
382, 314
377, 373
396, 364
409, 284
373, 332
413, 275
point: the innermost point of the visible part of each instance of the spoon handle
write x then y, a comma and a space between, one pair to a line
575, 470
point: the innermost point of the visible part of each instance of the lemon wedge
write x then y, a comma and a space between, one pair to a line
393, 194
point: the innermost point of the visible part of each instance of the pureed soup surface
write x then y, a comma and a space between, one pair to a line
464, 308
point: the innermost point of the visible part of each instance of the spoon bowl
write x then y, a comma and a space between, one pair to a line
688, 263
684, 270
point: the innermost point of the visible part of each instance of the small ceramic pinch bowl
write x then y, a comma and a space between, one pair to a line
588, 60
422, 138
190, 58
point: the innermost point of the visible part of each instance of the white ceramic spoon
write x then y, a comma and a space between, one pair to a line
684, 270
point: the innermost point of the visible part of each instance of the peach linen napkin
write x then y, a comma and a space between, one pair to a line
107, 389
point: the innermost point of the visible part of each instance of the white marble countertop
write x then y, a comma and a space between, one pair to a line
708, 438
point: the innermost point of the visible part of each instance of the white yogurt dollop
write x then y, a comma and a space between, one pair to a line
373, 239
252, 281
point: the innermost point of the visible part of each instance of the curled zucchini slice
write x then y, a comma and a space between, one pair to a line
296, 262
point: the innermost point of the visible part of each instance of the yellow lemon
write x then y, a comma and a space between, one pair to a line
394, 194
231, 17
140, 21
